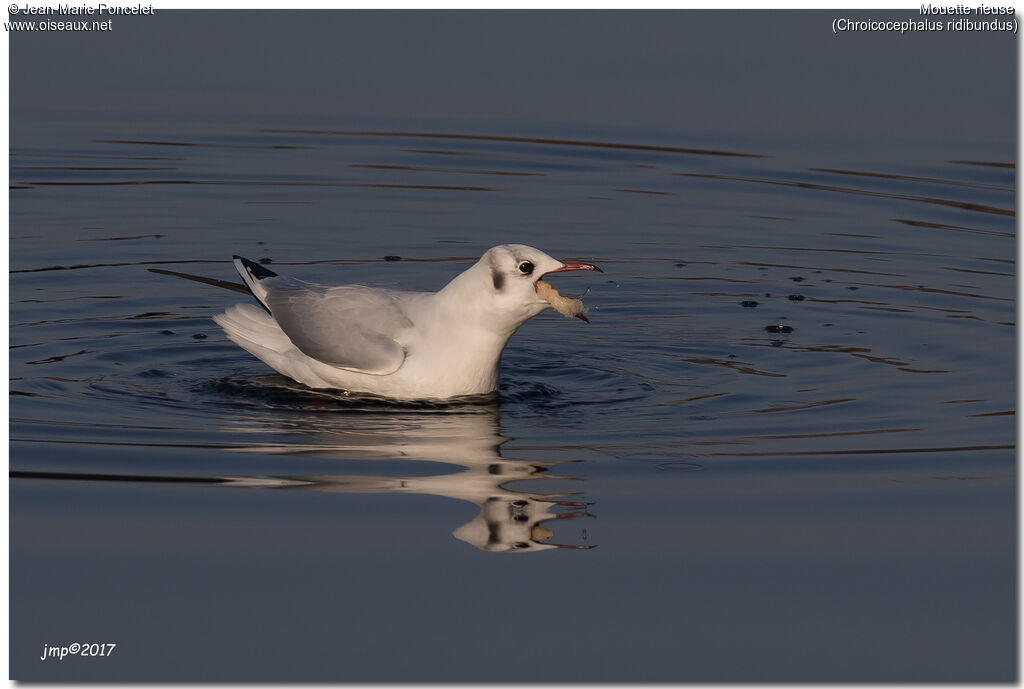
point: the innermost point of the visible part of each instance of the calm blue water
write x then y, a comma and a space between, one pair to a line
783, 449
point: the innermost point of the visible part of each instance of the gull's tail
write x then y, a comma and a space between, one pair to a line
254, 330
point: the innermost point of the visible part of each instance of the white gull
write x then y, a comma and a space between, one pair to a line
402, 345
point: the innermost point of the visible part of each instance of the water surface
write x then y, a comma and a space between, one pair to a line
783, 449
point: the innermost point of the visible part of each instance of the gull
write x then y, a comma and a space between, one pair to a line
397, 344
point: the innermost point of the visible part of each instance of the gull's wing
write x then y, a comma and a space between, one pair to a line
351, 327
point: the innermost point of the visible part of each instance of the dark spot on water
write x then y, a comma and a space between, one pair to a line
796, 297
828, 325
776, 343
266, 260
797, 279
19, 392
680, 265
749, 304
680, 466
392, 258
778, 329
152, 314
62, 357
260, 243
199, 336
767, 295
853, 288
166, 332
827, 280
732, 356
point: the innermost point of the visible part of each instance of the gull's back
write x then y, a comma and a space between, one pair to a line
352, 337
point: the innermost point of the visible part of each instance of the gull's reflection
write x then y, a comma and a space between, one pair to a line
510, 519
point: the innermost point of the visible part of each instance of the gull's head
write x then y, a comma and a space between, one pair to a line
508, 275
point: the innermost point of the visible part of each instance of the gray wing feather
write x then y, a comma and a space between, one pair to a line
351, 327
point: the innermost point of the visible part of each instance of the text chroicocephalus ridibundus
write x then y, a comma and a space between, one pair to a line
403, 345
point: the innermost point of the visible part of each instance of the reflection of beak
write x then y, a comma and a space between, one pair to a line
567, 515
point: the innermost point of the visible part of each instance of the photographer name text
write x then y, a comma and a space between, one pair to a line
81, 10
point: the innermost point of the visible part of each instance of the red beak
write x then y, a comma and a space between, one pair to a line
567, 266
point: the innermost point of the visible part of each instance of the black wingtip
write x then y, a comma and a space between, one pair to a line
255, 269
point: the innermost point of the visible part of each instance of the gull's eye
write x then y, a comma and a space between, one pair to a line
525, 267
